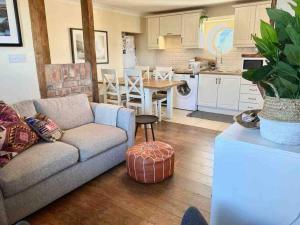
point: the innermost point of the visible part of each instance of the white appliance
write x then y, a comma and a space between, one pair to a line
185, 95
129, 56
253, 63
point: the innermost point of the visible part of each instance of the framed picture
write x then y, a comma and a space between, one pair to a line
101, 45
10, 33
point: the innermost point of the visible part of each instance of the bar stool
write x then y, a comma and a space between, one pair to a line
146, 120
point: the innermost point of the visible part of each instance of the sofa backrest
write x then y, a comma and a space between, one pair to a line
25, 108
68, 112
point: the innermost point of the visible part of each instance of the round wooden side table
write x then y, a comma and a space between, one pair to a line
146, 120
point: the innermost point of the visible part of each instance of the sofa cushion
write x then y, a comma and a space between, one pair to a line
25, 108
68, 112
93, 139
36, 164
45, 127
15, 135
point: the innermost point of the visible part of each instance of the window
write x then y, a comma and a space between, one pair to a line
217, 34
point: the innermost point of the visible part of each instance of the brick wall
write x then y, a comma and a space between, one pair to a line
68, 79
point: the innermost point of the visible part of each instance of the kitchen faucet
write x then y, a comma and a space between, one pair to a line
217, 56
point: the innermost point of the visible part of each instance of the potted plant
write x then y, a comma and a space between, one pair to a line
280, 78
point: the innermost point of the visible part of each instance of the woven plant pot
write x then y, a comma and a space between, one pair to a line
280, 120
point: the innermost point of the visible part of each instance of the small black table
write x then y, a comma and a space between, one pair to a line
146, 120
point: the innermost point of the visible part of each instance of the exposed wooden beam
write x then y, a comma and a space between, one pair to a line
40, 41
274, 3
89, 42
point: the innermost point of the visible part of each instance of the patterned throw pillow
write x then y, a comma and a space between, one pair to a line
45, 127
15, 135
8, 114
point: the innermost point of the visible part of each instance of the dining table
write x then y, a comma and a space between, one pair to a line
152, 86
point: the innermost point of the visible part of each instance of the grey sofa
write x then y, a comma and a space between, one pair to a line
47, 171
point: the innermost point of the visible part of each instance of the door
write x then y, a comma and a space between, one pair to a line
190, 30
261, 14
170, 25
208, 90
244, 26
229, 92
153, 32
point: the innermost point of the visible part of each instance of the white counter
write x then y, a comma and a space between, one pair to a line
256, 182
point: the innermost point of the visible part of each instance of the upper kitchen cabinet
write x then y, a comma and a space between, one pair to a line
247, 22
154, 39
261, 14
244, 26
184, 25
190, 37
170, 25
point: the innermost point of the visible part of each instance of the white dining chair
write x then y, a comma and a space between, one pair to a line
162, 73
145, 71
135, 95
112, 90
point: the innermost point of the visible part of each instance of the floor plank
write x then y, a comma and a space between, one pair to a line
114, 199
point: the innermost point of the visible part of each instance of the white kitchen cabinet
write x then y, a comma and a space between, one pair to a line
184, 25
190, 30
250, 96
261, 14
244, 26
228, 92
208, 90
219, 91
170, 25
153, 33
243, 106
247, 22
250, 89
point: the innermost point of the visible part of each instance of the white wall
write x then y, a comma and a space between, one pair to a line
63, 15
19, 81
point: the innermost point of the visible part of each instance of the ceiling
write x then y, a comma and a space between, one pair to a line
150, 6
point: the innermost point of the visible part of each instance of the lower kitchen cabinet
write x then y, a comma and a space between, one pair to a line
208, 90
228, 92
219, 91
250, 96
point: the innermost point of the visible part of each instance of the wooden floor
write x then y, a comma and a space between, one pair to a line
114, 199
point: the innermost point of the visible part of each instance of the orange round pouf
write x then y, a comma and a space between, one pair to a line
150, 162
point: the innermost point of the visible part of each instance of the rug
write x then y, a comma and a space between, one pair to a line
212, 116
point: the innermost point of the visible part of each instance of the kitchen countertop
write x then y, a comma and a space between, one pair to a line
213, 72
183, 71
219, 72
206, 71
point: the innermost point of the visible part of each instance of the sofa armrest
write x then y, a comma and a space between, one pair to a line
125, 121
3, 217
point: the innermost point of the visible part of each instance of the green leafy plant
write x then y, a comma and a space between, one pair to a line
280, 45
